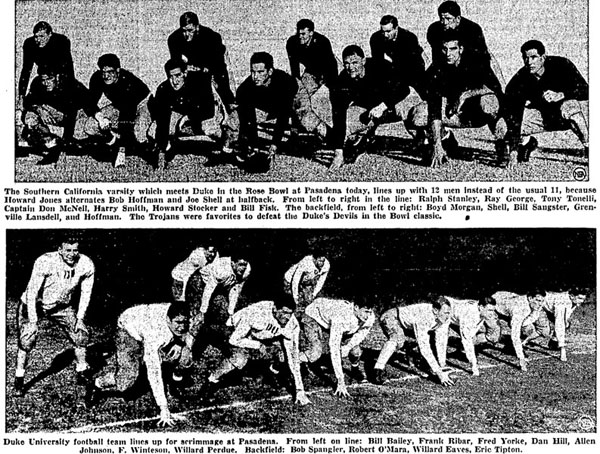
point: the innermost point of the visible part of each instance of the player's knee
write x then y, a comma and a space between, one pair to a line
354, 354
490, 105
568, 108
314, 353
418, 116
27, 343
239, 359
31, 120
125, 381
91, 127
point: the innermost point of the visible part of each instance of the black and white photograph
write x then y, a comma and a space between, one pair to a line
301, 331
301, 91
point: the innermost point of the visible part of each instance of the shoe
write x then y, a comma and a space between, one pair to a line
120, 159
450, 145
524, 150
357, 374
208, 389
379, 376
175, 389
84, 377
19, 386
51, 157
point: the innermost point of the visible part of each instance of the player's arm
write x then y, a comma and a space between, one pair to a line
87, 283
468, 330
26, 70
210, 284
294, 62
154, 372
516, 325
296, 279
441, 342
240, 336
438, 150
234, 295
335, 344
38, 275
322, 278
422, 335
560, 327
292, 353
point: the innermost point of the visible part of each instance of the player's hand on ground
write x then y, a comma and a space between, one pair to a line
439, 156
302, 398
475, 371
167, 419
523, 364
341, 391
563, 354
445, 379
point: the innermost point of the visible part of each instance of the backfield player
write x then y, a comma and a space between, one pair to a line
56, 276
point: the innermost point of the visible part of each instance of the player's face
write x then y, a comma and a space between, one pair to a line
535, 302
260, 74
283, 315
443, 315
110, 75
487, 312
41, 38
179, 325
239, 268
210, 254
177, 78
319, 262
189, 31
362, 313
577, 299
452, 51
448, 21
354, 65
533, 61
49, 82
389, 32
69, 253
304, 36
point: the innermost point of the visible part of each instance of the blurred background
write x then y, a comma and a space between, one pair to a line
387, 267
137, 31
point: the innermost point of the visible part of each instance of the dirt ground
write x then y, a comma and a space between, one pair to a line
551, 397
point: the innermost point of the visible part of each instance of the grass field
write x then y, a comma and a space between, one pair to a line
551, 397
247, 27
